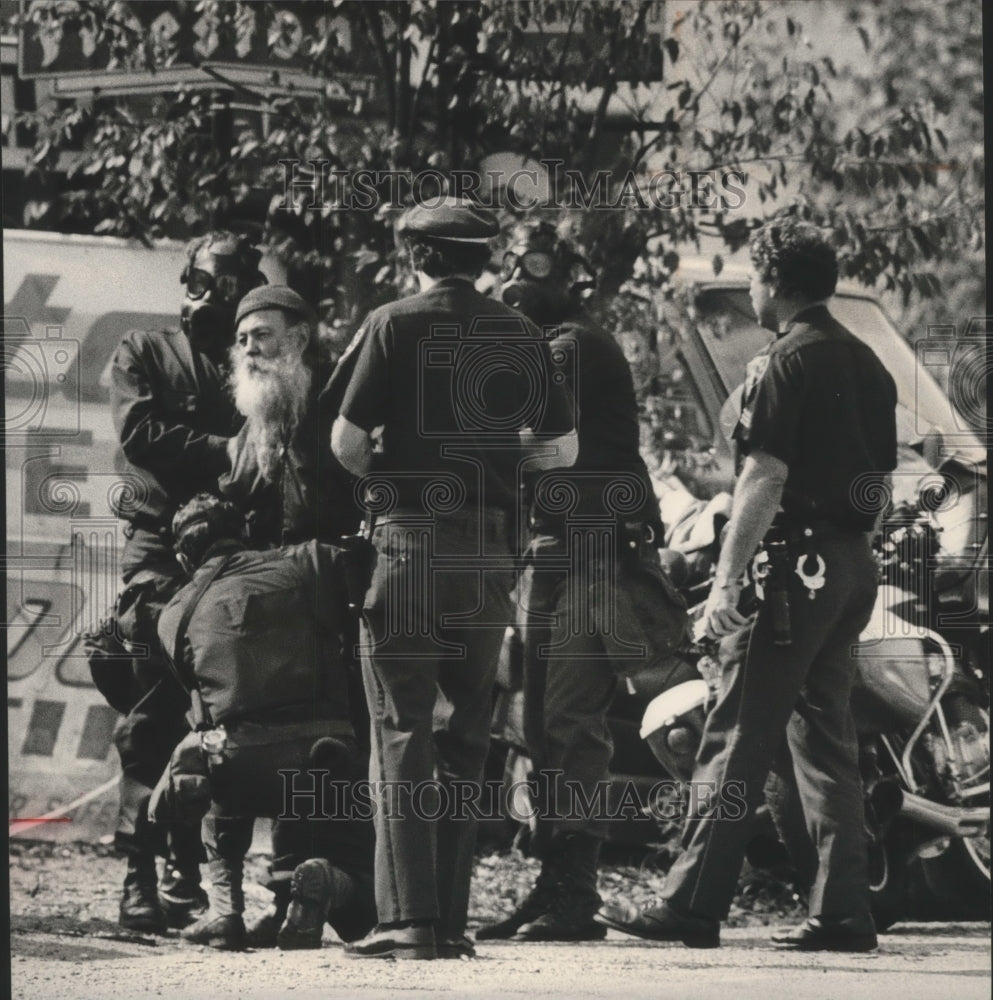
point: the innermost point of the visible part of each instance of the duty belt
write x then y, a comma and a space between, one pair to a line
789, 549
796, 523
496, 520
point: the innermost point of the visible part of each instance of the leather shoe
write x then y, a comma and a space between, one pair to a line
537, 902
815, 935
661, 923
395, 942
558, 926
460, 947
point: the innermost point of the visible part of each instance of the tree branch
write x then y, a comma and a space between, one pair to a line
374, 29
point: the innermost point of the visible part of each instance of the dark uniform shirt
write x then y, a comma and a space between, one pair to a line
452, 377
173, 415
608, 427
263, 638
311, 494
820, 400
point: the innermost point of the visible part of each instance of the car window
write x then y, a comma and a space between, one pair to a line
730, 333
732, 337
678, 407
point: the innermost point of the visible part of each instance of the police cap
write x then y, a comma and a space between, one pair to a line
449, 218
276, 297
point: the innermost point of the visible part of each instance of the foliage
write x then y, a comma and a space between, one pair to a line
930, 56
743, 96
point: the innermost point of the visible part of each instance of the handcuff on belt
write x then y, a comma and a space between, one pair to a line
770, 570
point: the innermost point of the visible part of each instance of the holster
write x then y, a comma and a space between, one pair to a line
646, 606
638, 541
777, 596
359, 561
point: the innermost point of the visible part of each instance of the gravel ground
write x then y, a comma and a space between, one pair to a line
65, 942
77, 886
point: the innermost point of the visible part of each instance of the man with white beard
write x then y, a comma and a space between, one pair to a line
283, 474
292, 489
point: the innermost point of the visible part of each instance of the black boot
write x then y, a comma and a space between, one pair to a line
318, 887
574, 898
225, 932
262, 931
140, 909
180, 895
534, 904
222, 926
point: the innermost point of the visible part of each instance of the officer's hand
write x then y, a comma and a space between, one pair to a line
720, 614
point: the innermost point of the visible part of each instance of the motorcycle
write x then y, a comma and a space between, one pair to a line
921, 707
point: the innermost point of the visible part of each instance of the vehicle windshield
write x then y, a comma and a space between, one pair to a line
732, 337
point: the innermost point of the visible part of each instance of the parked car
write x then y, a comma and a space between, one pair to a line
707, 335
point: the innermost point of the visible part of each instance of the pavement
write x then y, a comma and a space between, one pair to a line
925, 961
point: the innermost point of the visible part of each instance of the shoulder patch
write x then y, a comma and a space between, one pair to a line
754, 371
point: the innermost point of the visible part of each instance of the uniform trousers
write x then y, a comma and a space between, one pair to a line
248, 783
569, 684
148, 733
434, 620
804, 689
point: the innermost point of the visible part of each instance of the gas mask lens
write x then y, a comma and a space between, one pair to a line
227, 287
535, 264
198, 283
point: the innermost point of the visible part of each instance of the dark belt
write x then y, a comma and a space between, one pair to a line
496, 521
798, 525
627, 529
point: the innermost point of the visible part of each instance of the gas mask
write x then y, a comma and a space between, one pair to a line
541, 276
223, 269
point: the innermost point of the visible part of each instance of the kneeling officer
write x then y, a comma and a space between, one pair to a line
253, 637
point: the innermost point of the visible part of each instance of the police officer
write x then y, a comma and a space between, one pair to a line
817, 432
460, 393
256, 637
173, 416
601, 544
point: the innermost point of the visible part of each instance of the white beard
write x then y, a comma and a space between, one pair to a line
273, 395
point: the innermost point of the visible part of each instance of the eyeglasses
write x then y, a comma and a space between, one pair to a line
228, 287
536, 264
